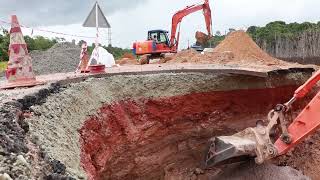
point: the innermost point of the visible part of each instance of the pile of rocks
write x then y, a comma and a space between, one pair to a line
61, 58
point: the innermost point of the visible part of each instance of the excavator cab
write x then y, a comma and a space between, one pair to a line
157, 43
159, 36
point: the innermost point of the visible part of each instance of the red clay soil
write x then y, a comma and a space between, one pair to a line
237, 48
142, 138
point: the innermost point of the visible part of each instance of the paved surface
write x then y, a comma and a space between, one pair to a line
159, 68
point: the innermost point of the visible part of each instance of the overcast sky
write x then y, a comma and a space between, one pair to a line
131, 19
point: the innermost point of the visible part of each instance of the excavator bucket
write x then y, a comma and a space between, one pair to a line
252, 143
228, 150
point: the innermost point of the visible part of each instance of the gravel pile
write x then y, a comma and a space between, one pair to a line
61, 58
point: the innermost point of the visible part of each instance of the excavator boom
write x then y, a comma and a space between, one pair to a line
256, 142
178, 16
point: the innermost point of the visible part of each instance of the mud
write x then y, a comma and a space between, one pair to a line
60, 130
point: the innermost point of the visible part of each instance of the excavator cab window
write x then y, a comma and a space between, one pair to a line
159, 36
163, 38
153, 36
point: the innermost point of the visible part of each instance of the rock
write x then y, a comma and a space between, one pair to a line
5, 176
198, 171
60, 58
22, 161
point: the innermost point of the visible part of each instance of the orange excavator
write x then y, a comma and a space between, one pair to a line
158, 42
258, 143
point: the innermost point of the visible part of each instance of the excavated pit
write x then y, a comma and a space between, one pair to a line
150, 126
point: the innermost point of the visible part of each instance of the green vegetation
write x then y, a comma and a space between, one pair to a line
4, 44
3, 66
40, 43
115, 51
217, 38
276, 29
271, 31
36, 43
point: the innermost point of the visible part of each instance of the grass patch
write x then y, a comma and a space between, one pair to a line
3, 65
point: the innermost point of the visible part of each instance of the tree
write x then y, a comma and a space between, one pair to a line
252, 29
4, 45
81, 42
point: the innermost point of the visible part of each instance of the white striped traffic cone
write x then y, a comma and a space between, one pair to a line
19, 71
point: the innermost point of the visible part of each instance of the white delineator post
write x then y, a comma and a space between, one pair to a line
97, 26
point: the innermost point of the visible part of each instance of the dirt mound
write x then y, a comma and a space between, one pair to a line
128, 55
185, 56
61, 58
127, 61
237, 48
244, 49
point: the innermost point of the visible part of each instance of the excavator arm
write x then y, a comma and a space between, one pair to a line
256, 142
178, 16
307, 122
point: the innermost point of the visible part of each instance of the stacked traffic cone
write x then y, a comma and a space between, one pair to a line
19, 72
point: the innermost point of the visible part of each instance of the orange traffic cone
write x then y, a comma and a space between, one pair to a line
19, 72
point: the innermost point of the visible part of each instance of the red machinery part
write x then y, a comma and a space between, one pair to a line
145, 47
305, 124
178, 16
305, 89
97, 69
308, 120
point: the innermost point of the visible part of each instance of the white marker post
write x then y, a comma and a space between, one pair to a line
96, 19
97, 26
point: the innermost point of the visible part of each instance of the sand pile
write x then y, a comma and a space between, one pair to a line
237, 48
185, 56
127, 59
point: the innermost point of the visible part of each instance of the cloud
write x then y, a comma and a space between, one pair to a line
60, 12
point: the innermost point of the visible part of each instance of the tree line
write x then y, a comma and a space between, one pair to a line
34, 43
270, 32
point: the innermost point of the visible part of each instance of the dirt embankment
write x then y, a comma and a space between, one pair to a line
154, 133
